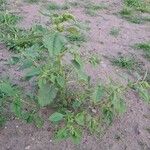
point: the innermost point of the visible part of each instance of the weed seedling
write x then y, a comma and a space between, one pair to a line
114, 31
92, 8
124, 62
145, 47
32, 1
132, 11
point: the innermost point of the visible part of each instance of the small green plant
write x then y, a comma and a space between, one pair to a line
8, 18
114, 31
139, 5
145, 47
32, 1
131, 16
3, 5
143, 88
92, 8
124, 62
132, 11
54, 6
95, 60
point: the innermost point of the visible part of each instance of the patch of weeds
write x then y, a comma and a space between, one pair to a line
132, 11
126, 11
124, 62
54, 6
84, 108
129, 15
74, 4
146, 18
32, 1
145, 47
76, 37
79, 109
18, 39
143, 88
139, 5
2, 120
3, 5
7, 18
95, 60
114, 31
92, 8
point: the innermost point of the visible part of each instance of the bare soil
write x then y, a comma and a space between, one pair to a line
129, 132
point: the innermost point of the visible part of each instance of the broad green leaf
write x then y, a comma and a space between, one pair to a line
38, 121
77, 62
56, 117
26, 64
17, 107
98, 93
115, 100
13, 60
80, 119
46, 94
28, 117
60, 80
32, 52
76, 135
93, 124
121, 106
2, 120
55, 43
108, 115
62, 134
144, 94
67, 17
52, 78
76, 104
32, 117
6, 88
72, 30
33, 72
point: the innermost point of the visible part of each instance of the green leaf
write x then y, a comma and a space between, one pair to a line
98, 93
26, 64
32, 117
32, 52
80, 119
108, 115
62, 134
6, 88
76, 104
2, 120
77, 62
33, 72
56, 117
38, 121
72, 30
76, 135
13, 60
55, 43
144, 94
17, 107
46, 94
121, 106
60, 80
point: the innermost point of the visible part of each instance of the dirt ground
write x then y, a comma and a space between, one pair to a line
128, 132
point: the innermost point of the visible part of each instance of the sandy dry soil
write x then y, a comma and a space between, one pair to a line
130, 131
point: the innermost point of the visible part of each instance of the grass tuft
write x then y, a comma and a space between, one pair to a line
145, 47
124, 62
